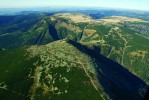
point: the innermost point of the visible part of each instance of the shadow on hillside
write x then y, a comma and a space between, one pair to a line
53, 32
117, 81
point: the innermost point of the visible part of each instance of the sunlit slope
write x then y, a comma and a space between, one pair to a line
64, 73
57, 71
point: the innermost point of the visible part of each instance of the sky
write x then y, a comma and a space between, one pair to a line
127, 4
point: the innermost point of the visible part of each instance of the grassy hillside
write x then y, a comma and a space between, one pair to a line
48, 72
64, 74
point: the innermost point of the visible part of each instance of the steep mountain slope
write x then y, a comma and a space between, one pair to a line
116, 81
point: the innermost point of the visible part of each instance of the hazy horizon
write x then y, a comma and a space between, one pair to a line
123, 4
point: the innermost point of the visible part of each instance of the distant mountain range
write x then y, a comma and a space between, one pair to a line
84, 10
